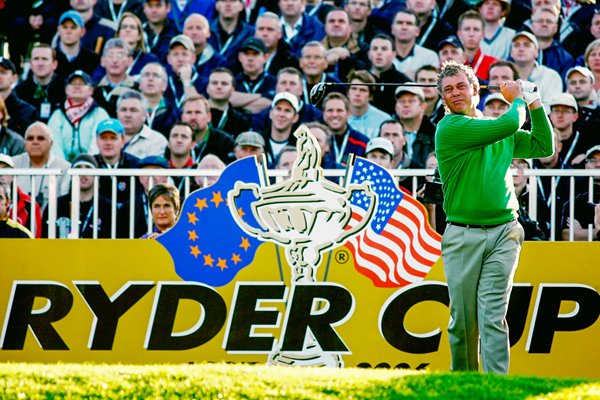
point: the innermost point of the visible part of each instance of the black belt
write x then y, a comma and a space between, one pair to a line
473, 226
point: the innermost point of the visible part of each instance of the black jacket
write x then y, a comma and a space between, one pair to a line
85, 61
219, 143
22, 114
53, 93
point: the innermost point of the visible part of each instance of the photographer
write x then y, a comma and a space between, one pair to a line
431, 195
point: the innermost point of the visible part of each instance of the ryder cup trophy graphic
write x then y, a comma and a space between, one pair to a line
307, 215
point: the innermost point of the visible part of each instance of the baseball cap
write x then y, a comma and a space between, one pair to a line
529, 36
495, 96
380, 143
73, 16
564, 99
6, 159
153, 161
595, 149
250, 138
290, 98
417, 91
110, 125
7, 64
254, 44
84, 159
183, 40
80, 74
452, 41
583, 71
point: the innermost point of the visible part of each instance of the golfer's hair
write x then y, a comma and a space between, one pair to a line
453, 68
167, 190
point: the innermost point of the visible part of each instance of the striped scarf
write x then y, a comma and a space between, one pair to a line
77, 111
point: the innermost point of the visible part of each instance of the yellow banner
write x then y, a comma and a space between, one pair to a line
122, 301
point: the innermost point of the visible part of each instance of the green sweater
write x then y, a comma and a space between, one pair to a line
474, 156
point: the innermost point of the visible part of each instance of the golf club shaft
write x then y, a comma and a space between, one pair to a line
406, 84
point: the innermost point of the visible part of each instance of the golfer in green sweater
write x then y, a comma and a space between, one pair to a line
482, 242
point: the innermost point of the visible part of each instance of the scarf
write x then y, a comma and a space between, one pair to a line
77, 111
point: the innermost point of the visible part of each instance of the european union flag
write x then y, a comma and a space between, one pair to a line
206, 244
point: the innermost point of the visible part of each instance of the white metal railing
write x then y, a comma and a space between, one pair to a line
187, 174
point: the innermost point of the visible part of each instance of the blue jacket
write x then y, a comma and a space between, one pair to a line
229, 49
557, 58
160, 47
356, 144
203, 7
311, 29
209, 60
97, 32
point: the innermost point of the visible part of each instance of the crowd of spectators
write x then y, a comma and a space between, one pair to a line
200, 83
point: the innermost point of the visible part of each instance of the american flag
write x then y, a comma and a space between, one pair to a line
398, 247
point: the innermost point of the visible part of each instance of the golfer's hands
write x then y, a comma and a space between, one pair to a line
531, 93
511, 90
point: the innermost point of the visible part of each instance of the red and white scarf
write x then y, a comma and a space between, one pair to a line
76, 111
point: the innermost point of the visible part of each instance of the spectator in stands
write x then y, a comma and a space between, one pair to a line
116, 60
409, 55
286, 158
183, 78
323, 135
364, 117
23, 200
359, 12
299, 28
382, 54
11, 143
343, 51
496, 36
21, 113
110, 139
563, 114
70, 54
228, 30
278, 52
210, 161
432, 29
86, 206
209, 140
161, 113
248, 144
74, 124
427, 74
131, 31
288, 80
164, 206
592, 61
536, 228
97, 30
10, 229
253, 78
283, 115
223, 116
114, 10
470, 33
451, 49
383, 12
159, 28
392, 131
418, 129
380, 151
544, 25
197, 28
313, 64
43, 88
495, 105
180, 11
524, 52
345, 140
318, 9
38, 142
181, 144
580, 83
502, 71
585, 221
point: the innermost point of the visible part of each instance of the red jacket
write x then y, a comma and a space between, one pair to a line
23, 211
481, 65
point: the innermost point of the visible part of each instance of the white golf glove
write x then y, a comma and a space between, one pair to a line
531, 92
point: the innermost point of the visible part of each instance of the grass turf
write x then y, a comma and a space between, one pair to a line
225, 381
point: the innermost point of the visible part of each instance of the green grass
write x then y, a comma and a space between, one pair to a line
222, 381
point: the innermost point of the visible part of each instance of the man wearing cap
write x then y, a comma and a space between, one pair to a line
23, 200
586, 218
364, 117
284, 113
524, 52
10, 229
110, 139
74, 124
97, 29
86, 207
253, 78
580, 83
451, 49
43, 88
298, 26
183, 79
380, 151
418, 129
278, 51
248, 144
381, 58
38, 142
116, 60
159, 28
197, 28
575, 142
544, 25
470, 33
482, 242
21, 114
71, 56
229, 30
209, 140
495, 105
496, 36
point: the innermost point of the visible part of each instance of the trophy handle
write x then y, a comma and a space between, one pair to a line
365, 187
231, 198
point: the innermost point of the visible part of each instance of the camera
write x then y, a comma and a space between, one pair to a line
433, 193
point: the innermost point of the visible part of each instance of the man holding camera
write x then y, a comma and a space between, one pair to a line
483, 239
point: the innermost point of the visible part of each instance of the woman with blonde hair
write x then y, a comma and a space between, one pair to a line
592, 61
